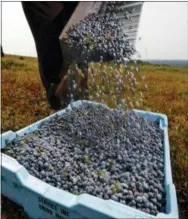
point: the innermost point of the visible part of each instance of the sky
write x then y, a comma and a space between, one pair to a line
163, 30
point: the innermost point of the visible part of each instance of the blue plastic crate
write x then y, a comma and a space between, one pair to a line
41, 200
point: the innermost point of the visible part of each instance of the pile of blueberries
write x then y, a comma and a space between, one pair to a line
100, 36
108, 153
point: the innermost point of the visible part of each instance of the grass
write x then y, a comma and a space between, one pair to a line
24, 102
23, 98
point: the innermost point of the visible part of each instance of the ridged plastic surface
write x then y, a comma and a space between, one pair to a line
131, 27
41, 200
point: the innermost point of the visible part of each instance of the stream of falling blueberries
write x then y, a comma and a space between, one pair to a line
111, 153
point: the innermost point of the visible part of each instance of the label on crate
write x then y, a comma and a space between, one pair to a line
52, 208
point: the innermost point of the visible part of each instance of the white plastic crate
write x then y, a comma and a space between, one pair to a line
41, 200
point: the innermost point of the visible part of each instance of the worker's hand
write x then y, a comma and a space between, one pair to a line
81, 90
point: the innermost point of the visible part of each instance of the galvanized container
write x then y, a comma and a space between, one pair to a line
131, 26
41, 200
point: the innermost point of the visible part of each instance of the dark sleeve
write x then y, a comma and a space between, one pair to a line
47, 10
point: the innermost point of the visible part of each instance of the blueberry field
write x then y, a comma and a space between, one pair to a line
24, 102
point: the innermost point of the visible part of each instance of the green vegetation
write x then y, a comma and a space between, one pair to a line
85, 159
24, 102
115, 187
